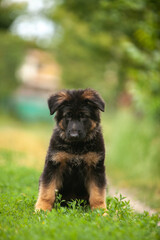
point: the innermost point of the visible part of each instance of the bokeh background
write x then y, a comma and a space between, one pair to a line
111, 46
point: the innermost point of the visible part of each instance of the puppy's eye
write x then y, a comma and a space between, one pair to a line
68, 115
82, 115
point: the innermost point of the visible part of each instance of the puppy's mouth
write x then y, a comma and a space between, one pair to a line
74, 136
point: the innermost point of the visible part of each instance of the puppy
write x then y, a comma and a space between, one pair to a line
74, 164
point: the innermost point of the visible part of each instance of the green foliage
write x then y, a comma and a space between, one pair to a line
132, 151
113, 46
133, 156
19, 189
12, 48
9, 12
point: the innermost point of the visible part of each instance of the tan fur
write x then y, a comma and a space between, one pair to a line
93, 125
97, 196
61, 124
46, 196
88, 94
91, 158
62, 157
63, 135
62, 96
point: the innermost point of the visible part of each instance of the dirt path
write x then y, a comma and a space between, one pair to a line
137, 205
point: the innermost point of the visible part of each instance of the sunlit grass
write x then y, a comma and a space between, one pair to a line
18, 221
132, 151
133, 155
28, 141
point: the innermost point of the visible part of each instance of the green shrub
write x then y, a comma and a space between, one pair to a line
133, 154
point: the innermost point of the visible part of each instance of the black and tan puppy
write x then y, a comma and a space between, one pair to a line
75, 159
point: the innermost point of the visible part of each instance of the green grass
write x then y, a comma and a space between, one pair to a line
132, 150
132, 161
131, 143
133, 155
19, 189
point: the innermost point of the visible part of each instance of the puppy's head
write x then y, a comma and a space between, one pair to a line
77, 112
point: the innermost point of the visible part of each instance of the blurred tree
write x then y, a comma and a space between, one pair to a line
12, 48
113, 46
9, 12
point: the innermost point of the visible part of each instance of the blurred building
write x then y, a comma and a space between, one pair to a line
39, 75
39, 72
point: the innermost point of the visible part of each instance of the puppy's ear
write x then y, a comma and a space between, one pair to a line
94, 98
57, 100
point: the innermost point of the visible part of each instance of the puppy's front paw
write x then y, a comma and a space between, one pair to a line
105, 213
42, 205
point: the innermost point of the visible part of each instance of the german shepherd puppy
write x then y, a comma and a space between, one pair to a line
74, 163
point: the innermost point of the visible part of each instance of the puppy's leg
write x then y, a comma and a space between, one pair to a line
97, 196
46, 196
97, 186
47, 187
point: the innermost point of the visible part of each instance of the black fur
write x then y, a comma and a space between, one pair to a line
77, 133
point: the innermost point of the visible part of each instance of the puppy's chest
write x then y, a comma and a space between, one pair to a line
75, 168
75, 161
66, 159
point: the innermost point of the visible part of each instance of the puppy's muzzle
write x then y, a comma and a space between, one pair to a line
74, 134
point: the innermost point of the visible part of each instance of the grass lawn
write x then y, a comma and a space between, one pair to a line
19, 189
22, 152
133, 155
